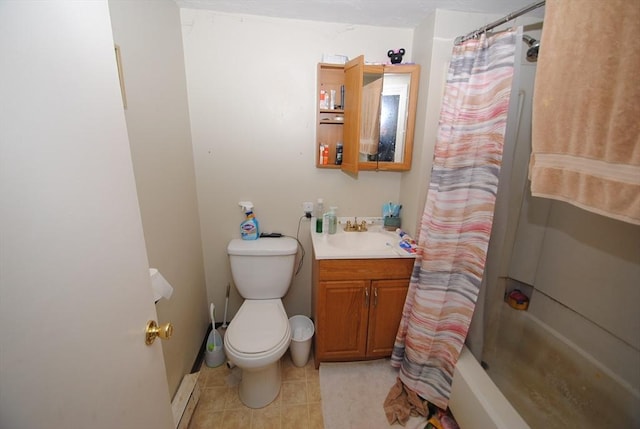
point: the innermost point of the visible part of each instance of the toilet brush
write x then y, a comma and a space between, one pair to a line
214, 355
226, 304
212, 309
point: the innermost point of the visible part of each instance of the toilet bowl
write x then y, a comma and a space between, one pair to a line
259, 334
257, 337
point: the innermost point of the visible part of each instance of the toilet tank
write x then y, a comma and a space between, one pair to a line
262, 268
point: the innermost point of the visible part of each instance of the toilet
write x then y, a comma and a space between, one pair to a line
259, 334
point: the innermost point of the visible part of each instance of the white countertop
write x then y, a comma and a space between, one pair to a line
376, 243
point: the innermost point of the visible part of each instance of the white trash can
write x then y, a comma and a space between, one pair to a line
302, 331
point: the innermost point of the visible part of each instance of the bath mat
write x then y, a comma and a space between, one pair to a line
353, 394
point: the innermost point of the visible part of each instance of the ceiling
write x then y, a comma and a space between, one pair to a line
382, 13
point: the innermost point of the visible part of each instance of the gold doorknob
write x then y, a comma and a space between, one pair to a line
154, 330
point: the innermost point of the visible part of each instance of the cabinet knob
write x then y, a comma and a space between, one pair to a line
375, 296
366, 296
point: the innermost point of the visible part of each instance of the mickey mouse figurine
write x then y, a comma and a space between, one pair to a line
396, 56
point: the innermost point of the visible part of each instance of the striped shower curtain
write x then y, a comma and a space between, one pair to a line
456, 223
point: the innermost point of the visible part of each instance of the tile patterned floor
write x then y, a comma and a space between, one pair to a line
298, 405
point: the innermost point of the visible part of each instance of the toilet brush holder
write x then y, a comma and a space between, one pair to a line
214, 353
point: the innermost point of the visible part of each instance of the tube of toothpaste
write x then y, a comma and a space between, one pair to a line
406, 242
407, 247
405, 237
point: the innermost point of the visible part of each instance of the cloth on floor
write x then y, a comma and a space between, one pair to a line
402, 403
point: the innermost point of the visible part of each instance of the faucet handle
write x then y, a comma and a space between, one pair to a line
363, 225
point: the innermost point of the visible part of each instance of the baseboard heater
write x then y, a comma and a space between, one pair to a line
185, 401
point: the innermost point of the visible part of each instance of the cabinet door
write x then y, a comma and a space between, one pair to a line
379, 117
342, 319
353, 80
385, 312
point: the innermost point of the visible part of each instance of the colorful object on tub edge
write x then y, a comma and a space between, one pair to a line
518, 300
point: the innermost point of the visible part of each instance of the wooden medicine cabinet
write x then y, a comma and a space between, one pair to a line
376, 120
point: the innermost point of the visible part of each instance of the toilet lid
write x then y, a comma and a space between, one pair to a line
259, 326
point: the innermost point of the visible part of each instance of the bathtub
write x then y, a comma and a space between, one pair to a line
476, 402
538, 379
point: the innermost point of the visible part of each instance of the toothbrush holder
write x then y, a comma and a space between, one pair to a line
391, 223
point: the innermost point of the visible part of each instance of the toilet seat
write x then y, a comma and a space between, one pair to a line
258, 329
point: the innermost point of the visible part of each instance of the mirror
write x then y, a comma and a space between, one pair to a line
372, 84
384, 117
393, 117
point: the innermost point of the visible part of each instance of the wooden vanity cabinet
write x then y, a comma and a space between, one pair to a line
357, 306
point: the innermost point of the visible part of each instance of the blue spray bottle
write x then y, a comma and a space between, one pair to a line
249, 229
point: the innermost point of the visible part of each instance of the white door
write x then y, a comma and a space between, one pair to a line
75, 293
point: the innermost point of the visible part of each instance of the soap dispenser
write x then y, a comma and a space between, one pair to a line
333, 220
319, 214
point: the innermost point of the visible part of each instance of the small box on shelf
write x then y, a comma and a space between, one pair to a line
327, 155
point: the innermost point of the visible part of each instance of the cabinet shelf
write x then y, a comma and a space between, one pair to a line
330, 122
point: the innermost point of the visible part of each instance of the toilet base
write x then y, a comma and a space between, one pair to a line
260, 386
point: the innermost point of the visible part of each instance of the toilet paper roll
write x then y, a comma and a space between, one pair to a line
161, 287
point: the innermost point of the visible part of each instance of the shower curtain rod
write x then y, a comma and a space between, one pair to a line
511, 16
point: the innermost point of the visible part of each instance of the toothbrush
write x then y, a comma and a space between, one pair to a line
396, 251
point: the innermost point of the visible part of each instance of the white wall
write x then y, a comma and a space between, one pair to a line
252, 94
414, 182
149, 36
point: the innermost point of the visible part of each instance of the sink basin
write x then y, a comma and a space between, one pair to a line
374, 243
369, 240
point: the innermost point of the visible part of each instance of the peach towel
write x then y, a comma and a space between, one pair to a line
586, 107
